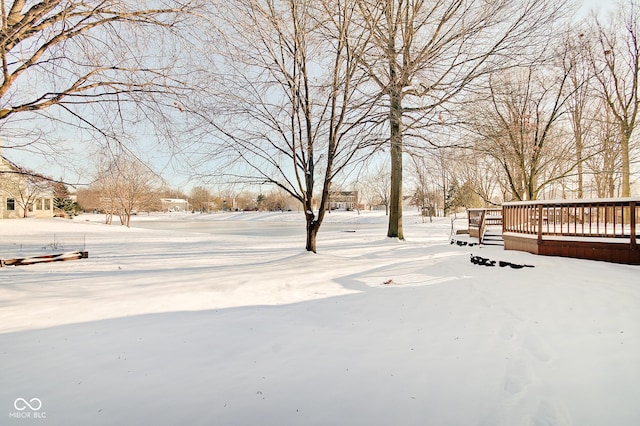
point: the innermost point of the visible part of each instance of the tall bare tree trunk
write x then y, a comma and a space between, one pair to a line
395, 203
576, 61
579, 158
313, 226
625, 136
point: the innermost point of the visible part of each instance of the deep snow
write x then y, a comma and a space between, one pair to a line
225, 320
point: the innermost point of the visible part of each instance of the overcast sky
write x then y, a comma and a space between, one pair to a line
600, 6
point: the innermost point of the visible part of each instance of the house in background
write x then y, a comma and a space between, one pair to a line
343, 200
20, 193
174, 205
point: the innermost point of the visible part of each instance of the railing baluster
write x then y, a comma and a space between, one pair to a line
540, 224
632, 225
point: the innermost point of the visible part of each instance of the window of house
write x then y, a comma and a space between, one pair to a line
39, 204
47, 204
11, 204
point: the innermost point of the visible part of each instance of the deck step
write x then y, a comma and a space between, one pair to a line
492, 239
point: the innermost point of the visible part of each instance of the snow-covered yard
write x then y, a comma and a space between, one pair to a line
225, 320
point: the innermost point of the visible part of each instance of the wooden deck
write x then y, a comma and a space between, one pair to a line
602, 229
479, 219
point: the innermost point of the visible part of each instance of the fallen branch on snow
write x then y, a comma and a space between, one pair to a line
32, 260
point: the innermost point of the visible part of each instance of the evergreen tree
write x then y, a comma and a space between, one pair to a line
451, 197
62, 199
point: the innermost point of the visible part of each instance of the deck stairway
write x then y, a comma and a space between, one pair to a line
485, 224
492, 236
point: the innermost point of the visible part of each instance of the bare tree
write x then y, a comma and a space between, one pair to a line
89, 198
275, 200
616, 63
126, 186
380, 186
89, 64
290, 116
200, 199
578, 104
519, 127
443, 164
482, 173
605, 160
426, 194
366, 195
424, 54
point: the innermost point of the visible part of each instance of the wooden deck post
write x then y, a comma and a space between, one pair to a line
632, 232
539, 224
481, 226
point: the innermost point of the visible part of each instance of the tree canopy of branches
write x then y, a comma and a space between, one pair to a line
518, 127
200, 199
616, 66
423, 55
84, 63
124, 187
290, 114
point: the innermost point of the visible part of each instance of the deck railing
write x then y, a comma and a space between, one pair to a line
612, 220
480, 218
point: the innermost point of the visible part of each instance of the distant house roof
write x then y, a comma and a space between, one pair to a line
8, 164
